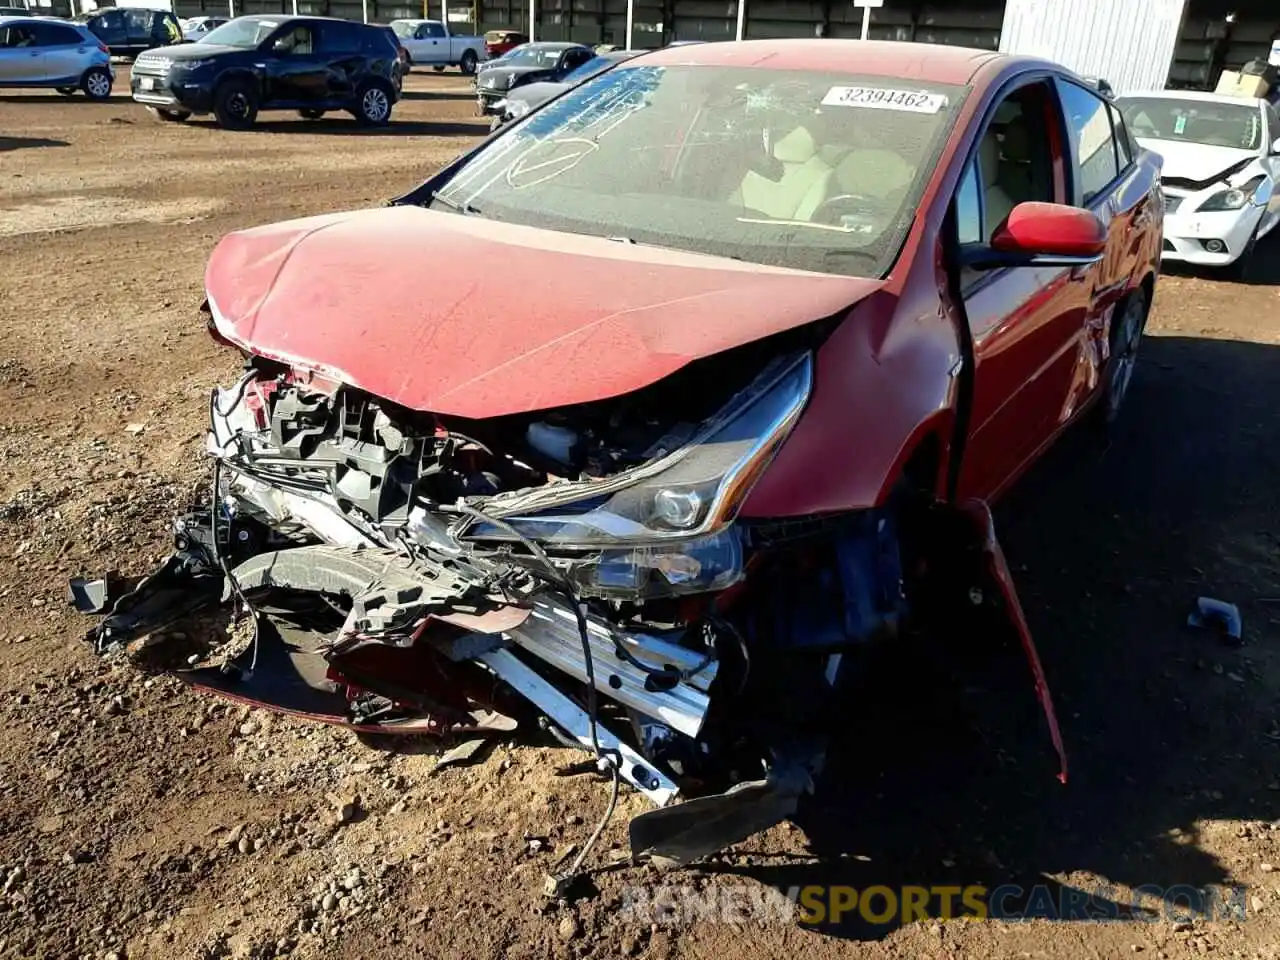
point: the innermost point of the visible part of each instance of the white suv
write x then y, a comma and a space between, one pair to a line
44, 52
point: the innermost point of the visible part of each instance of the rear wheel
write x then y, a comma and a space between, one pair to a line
311, 114
235, 104
468, 62
169, 116
373, 104
1126, 334
96, 83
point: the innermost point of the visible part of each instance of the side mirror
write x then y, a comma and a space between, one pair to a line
1275, 148
1041, 235
281, 46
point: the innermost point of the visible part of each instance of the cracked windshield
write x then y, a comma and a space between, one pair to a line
806, 170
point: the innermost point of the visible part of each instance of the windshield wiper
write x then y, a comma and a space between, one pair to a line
465, 208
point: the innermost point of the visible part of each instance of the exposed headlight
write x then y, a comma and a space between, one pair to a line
516, 108
192, 64
680, 498
1234, 198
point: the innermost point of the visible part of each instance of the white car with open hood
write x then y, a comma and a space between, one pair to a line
1221, 167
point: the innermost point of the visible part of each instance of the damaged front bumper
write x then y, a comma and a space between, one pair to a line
681, 661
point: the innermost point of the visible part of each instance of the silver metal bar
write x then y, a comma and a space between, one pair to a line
571, 718
551, 635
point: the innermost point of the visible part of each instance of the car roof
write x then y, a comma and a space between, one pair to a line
1200, 95
882, 58
555, 45
10, 19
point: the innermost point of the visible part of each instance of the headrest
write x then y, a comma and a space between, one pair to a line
989, 157
796, 147
1017, 143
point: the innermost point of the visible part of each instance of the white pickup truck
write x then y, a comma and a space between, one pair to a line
430, 44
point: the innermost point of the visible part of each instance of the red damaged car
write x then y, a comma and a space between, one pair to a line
789, 312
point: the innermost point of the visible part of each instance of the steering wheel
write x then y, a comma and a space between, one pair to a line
833, 209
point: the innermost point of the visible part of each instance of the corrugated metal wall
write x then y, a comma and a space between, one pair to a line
1130, 43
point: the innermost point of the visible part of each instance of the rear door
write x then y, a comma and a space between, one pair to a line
1024, 321
21, 58
342, 50
1272, 164
110, 28
1108, 181
138, 25
65, 52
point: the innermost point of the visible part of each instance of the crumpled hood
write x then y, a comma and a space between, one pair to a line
1197, 162
471, 317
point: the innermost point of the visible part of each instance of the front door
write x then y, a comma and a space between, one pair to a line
430, 45
21, 57
297, 72
1023, 320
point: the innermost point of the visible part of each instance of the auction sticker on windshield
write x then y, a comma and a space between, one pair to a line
878, 98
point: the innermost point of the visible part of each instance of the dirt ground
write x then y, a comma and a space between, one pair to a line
138, 819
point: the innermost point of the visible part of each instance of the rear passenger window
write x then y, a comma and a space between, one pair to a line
53, 35
1089, 121
1125, 148
340, 38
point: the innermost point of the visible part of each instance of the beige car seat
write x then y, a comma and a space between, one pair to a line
802, 187
998, 202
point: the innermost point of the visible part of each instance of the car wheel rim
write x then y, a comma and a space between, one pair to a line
375, 104
1126, 354
99, 86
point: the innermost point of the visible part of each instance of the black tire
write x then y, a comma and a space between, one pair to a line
96, 84
1238, 269
468, 62
311, 114
1127, 324
235, 104
67, 91
169, 116
373, 104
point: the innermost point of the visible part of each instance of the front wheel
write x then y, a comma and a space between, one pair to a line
96, 83
468, 62
235, 105
1126, 334
1238, 269
373, 105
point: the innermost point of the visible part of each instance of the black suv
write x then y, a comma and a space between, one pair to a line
127, 31
308, 64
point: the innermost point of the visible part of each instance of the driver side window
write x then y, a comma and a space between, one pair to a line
297, 42
1013, 164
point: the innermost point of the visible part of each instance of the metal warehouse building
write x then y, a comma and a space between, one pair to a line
1211, 34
